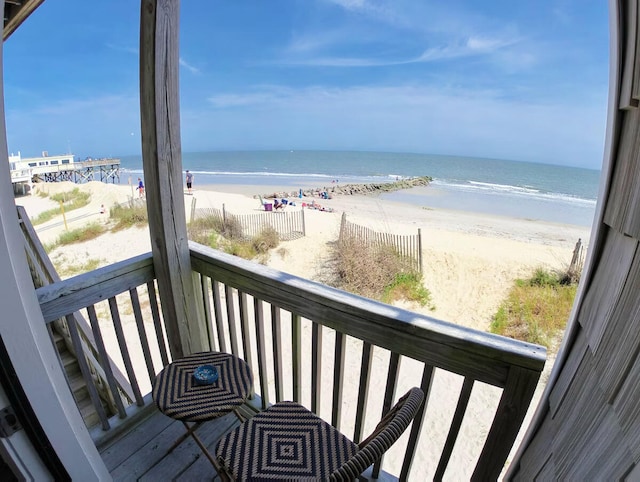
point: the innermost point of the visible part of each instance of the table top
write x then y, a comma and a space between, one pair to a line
178, 396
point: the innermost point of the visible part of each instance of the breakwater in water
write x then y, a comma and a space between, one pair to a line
336, 189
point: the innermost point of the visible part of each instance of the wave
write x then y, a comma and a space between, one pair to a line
528, 192
280, 174
504, 187
270, 177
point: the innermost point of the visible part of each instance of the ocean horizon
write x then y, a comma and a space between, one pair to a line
519, 189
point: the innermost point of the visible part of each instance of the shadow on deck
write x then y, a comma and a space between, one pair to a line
141, 452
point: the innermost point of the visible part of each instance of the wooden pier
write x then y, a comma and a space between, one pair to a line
104, 170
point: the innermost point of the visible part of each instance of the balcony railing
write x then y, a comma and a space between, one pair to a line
343, 356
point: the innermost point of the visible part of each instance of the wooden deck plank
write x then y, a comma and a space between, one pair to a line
202, 469
154, 453
174, 465
141, 453
123, 448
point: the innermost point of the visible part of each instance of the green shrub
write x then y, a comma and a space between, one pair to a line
75, 198
239, 248
230, 228
408, 286
127, 216
377, 272
227, 235
205, 230
542, 277
266, 240
536, 309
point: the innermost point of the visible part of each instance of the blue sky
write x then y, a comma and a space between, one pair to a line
521, 80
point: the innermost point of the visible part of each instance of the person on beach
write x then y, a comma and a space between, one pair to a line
140, 188
189, 180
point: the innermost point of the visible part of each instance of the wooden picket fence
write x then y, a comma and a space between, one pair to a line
408, 247
288, 224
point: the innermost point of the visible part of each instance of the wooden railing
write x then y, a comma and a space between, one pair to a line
281, 325
345, 357
112, 298
44, 273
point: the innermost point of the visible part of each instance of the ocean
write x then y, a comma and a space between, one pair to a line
511, 188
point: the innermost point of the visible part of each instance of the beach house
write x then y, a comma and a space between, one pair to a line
100, 422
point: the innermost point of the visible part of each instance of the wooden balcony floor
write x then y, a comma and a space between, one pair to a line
141, 452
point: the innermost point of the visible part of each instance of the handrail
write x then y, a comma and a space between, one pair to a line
44, 273
509, 364
65, 298
73, 294
452, 347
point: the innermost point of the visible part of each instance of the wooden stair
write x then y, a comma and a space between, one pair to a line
76, 383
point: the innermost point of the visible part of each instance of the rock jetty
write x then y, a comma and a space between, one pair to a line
337, 189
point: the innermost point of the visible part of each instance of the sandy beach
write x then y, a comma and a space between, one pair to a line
470, 260
470, 263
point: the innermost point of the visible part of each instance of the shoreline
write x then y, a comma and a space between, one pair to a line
403, 216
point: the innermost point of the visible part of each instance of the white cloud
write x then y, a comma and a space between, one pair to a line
190, 68
473, 46
415, 118
386, 11
350, 4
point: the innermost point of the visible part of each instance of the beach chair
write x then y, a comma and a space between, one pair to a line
289, 432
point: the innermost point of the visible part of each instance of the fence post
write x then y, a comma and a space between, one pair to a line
193, 209
304, 226
576, 261
420, 249
343, 221
224, 214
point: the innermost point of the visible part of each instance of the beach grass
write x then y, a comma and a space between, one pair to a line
536, 309
226, 235
408, 286
377, 272
70, 200
90, 231
126, 216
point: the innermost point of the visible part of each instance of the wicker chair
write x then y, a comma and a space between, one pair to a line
288, 442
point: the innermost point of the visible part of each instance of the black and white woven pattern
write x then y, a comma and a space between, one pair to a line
288, 442
394, 423
285, 442
177, 395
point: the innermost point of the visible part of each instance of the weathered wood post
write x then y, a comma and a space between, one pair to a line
162, 163
576, 260
343, 221
193, 209
420, 250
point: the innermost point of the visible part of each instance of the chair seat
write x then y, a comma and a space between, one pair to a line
285, 442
